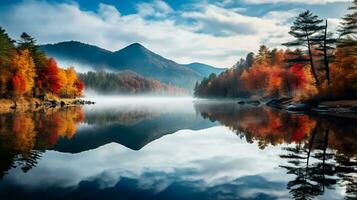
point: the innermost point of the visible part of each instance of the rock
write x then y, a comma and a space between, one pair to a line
54, 103
14, 106
279, 103
241, 102
298, 107
46, 103
254, 102
82, 102
78, 102
321, 108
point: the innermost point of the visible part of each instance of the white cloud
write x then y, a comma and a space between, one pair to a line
107, 28
295, 1
109, 13
157, 8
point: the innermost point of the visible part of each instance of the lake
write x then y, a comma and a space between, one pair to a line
176, 148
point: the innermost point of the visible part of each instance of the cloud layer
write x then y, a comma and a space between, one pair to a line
203, 33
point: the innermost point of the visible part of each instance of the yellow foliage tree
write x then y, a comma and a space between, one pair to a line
23, 69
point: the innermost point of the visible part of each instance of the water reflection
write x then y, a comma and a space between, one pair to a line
323, 153
26, 135
176, 150
133, 123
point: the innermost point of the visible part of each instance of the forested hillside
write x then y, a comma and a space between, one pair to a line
127, 82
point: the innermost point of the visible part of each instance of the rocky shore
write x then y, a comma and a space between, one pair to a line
7, 105
340, 108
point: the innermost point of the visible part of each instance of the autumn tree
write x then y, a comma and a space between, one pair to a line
49, 80
23, 72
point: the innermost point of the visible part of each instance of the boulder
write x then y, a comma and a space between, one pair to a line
256, 102
241, 102
299, 107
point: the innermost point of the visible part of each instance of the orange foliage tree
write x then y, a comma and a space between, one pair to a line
23, 69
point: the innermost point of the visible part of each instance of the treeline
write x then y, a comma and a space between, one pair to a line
126, 82
321, 66
26, 71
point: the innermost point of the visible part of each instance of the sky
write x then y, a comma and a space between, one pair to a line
215, 32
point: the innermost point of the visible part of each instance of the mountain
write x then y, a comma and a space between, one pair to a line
134, 57
205, 70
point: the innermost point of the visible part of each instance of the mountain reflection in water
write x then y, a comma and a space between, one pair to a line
116, 149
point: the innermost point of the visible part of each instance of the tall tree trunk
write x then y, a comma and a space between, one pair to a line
324, 157
312, 62
327, 69
310, 146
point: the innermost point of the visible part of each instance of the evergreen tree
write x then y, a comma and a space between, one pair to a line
28, 42
6, 45
348, 31
306, 27
325, 46
349, 24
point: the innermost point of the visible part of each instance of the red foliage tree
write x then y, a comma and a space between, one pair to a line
49, 80
19, 85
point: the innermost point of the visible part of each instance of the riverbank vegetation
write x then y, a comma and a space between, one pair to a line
317, 65
27, 73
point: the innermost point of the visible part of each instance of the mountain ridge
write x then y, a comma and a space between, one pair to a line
134, 57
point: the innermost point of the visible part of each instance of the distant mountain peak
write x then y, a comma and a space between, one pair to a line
136, 45
134, 57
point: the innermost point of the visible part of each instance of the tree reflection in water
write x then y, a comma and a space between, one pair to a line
320, 151
26, 135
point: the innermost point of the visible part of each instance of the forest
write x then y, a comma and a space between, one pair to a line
316, 65
126, 82
27, 72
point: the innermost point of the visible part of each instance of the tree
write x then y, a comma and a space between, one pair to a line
348, 31
6, 47
306, 26
49, 80
263, 55
23, 72
349, 25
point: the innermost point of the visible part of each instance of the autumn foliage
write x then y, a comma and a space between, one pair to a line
25, 71
322, 67
268, 76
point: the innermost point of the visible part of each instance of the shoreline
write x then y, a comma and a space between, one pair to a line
32, 104
337, 108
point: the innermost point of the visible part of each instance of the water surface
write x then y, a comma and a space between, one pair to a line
175, 148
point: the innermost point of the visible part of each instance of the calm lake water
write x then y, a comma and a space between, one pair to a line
152, 148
